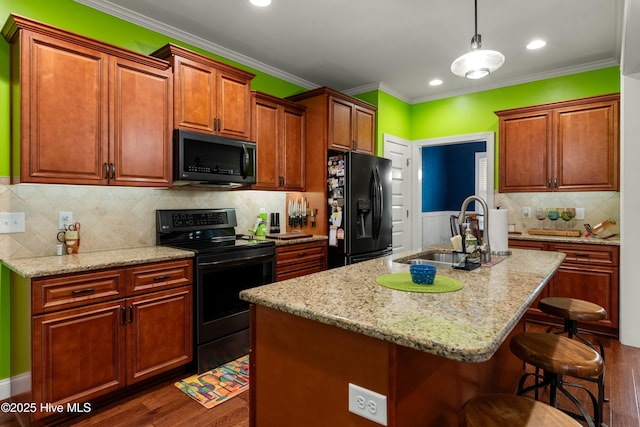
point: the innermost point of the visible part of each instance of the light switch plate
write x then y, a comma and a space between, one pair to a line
12, 222
526, 212
65, 218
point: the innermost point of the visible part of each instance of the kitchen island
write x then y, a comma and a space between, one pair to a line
426, 352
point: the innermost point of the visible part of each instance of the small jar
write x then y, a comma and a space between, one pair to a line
59, 249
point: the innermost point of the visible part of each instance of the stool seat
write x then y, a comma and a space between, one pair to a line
557, 354
501, 410
572, 309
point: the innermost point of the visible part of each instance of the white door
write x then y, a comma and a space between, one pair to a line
399, 151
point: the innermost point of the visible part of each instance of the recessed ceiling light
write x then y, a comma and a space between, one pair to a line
536, 44
435, 82
261, 3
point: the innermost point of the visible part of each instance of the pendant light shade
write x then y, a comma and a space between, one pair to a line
479, 62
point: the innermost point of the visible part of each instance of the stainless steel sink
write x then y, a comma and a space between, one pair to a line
434, 257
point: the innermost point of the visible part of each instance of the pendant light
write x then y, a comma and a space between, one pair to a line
479, 62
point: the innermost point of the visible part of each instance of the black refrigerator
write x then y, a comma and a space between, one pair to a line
359, 197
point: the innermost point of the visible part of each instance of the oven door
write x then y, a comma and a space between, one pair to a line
220, 311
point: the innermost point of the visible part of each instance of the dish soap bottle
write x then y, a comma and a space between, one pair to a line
470, 242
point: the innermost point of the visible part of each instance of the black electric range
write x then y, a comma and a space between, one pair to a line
225, 264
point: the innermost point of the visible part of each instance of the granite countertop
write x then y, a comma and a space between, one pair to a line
467, 325
611, 241
86, 261
313, 238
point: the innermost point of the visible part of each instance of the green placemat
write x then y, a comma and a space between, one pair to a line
402, 282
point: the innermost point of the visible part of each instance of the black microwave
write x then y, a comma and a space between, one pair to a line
201, 158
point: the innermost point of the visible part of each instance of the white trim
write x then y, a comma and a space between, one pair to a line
176, 33
15, 385
416, 155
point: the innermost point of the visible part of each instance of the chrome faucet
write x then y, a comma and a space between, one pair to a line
485, 249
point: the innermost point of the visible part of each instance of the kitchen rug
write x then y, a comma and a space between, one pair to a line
218, 385
402, 282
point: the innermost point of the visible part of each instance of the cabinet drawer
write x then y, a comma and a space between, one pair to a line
159, 275
68, 291
588, 254
300, 259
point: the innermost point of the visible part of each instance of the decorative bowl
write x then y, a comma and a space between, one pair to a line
422, 274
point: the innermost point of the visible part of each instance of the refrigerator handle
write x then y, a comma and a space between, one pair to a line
378, 208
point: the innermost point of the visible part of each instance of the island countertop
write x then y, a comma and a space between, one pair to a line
467, 325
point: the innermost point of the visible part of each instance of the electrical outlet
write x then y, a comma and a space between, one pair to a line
526, 212
11, 222
65, 218
579, 213
368, 404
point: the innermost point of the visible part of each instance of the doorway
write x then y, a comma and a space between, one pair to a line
433, 227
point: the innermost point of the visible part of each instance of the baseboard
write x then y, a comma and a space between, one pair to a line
21, 384
5, 388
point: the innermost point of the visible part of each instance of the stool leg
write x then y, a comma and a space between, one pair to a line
584, 413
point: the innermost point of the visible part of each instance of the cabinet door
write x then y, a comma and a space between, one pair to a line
234, 106
159, 332
265, 134
78, 354
587, 147
293, 149
596, 284
524, 152
195, 96
340, 124
141, 122
365, 129
63, 110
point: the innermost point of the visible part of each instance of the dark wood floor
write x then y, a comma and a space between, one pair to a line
164, 405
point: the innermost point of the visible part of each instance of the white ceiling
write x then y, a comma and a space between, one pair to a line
395, 45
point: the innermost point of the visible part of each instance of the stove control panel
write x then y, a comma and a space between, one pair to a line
194, 219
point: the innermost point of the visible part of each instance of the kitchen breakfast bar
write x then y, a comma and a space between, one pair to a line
426, 352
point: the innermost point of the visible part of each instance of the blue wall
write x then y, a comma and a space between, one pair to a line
447, 178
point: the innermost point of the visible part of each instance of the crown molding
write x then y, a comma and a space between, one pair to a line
159, 27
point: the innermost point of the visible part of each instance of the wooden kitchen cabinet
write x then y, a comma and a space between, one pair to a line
84, 347
278, 128
87, 112
299, 259
330, 126
563, 146
209, 96
589, 272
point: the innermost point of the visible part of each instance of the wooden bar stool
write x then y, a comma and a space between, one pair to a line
507, 410
574, 310
558, 357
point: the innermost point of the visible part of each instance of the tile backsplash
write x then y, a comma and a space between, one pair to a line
114, 217
598, 206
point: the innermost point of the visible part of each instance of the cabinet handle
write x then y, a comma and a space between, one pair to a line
355, 144
113, 171
83, 291
165, 277
281, 181
301, 254
123, 319
106, 171
131, 314
581, 255
549, 183
219, 124
555, 182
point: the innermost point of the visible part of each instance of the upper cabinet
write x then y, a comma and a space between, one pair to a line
349, 123
85, 112
564, 146
278, 128
210, 96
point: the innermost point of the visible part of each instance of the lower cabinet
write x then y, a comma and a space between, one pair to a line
83, 349
589, 272
299, 259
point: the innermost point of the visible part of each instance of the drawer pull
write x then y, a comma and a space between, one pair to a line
123, 319
157, 279
82, 291
582, 255
301, 254
130, 314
